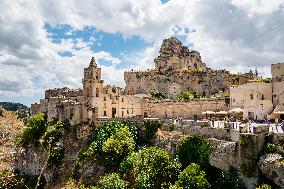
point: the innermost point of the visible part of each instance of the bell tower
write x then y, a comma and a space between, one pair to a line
92, 83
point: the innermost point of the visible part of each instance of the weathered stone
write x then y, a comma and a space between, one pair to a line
224, 155
272, 166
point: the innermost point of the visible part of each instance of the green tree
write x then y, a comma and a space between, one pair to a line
148, 132
150, 168
191, 178
193, 150
35, 128
118, 145
111, 181
108, 134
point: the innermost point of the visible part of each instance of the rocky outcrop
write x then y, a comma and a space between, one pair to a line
272, 166
224, 154
178, 69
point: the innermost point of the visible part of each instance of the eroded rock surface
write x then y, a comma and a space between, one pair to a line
272, 166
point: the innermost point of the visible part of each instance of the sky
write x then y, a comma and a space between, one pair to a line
47, 43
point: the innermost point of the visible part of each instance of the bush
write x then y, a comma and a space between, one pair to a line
1, 112
270, 148
185, 96
14, 181
193, 150
191, 178
56, 155
224, 180
35, 128
52, 134
264, 186
157, 94
150, 167
111, 181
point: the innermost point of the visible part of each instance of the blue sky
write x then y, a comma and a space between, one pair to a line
46, 44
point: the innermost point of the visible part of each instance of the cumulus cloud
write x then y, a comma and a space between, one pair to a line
234, 34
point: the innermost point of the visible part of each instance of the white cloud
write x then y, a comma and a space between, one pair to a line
232, 34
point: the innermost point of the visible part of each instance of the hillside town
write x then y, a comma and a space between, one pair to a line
228, 127
255, 103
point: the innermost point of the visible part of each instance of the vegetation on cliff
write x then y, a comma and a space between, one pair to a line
124, 156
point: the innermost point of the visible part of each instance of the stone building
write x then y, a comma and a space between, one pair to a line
277, 71
261, 100
94, 101
177, 70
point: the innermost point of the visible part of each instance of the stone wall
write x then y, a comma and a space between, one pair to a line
164, 108
63, 92
277, 71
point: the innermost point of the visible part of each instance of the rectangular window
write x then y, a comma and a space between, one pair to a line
251, 96
262, 97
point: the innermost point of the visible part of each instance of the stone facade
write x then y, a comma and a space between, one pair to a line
277, 72
260, 100
177, 69
93, 101
191, 109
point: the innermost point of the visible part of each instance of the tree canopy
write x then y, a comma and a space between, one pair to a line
150, 167
193, 150
192, 177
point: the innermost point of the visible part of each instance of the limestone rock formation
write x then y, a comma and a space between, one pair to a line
272, 166
178, 69
224, 155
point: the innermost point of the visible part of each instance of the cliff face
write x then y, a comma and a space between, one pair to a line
178, 69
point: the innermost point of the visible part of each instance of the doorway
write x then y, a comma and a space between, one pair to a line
113, 112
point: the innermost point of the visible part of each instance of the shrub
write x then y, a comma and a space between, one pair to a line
111, 181
1, 112
191, 178
264, 186
270, 148
56, 155
51, 136
35, 128
225, 180
157, 94
193, 150
150, 167
15, 181
185, 96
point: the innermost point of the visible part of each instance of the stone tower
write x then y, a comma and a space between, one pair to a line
92, 83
